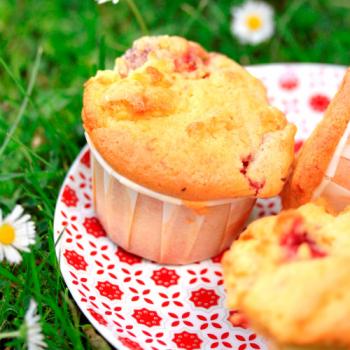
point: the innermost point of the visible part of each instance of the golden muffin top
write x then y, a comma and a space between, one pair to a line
187, 123
290, 276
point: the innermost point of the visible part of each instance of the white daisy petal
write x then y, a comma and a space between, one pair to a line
14, 215
34, 336
17, 233
21, 247
2, 254
104, 1
253, 22
12, 255
23, 219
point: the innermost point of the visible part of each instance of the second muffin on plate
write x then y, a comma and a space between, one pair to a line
289, 275
183, 142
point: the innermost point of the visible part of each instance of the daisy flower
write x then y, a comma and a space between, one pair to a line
31, 329
252, 22
103, 1
17, 232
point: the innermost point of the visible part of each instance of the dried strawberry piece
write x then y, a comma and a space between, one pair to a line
256, 185
238, 319
245, 163
135, 58
295, 237
186, 63
191, 60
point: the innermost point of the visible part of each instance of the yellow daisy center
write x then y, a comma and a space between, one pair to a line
7, 234
254, 22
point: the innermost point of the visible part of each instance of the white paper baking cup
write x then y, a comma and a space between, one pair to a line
162, 228
337, 193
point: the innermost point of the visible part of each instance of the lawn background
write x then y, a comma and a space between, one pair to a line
53, 46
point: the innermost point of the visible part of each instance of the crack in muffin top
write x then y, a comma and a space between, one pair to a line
187, 123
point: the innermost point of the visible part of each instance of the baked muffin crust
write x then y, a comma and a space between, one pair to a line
289, 275
187, 123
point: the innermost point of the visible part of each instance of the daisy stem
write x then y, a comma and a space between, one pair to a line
8, 335
138, 16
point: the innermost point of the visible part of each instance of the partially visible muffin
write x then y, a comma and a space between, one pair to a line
290, 276
323, 166
187, 123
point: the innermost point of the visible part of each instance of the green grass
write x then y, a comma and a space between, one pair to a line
47, 50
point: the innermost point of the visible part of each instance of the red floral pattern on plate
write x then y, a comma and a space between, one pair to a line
99, 318
218, 258
112, 286
319, 102
85, 159
130, 344
69, 197
109, 290
75, 260
248, 342
165, 277
209, 321
126, 257
180, 319
220, 341
186, 340
147, 317
93, 227
204, 298
289, 81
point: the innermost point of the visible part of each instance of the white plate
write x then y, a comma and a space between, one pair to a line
136, 304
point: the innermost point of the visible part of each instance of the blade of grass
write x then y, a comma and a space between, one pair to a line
194, 14
45, 200
33, 273
10, 276
281, 24
26, 175
134, 9
25, 100
102, 53
12, 76
30, 151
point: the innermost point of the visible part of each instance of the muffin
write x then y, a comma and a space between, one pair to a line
290, 277
183, 141
323, 165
